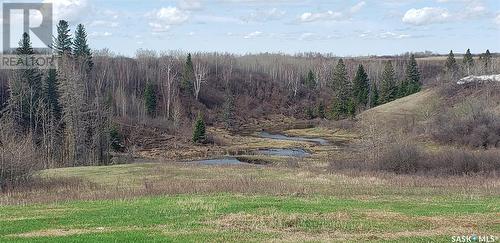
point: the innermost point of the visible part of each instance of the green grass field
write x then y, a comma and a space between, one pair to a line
287, 205
250, 218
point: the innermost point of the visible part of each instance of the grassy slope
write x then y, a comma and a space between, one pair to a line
413, 106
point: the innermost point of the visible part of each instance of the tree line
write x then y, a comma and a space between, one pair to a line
482, 65
59, 112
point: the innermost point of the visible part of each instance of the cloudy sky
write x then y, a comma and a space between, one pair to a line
347, 27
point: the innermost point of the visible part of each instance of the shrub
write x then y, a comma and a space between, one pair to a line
410, 159
116, 139
473, 125
401, 159
18, 160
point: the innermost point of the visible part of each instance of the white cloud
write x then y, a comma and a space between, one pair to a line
103, 23
164, 18
427, 15
265, 15
171, 16
331, 15
384, 35
356, 8
252, 35
497, 19
473, 9
190, 4
307, 36
69, 10
157, 27
468, 9
101, 34
392, 35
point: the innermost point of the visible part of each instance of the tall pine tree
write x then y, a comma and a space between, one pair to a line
62, 43
81, 49
199, 132
51, 95
228, 114
361, 87
321, 110
343, 104
188, 76
468, 61
487, 61
150, 99
451, 65
412, 78
388, 88
26, 90
310, 81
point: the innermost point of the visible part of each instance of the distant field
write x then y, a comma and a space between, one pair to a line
297, 205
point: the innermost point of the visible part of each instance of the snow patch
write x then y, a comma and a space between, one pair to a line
479, 79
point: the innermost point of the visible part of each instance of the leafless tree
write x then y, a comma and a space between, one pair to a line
168, 77
201, 74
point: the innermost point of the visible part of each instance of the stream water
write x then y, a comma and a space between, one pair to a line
283, 152
319, 141
288, 152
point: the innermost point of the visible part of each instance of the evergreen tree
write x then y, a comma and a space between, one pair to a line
51, 93
62, 43
374, 97
25, 90
150, 99
228, 114
468, 61
402, 89
321, 111
116, 139
199, 133
188, 76
412, 78
309, 112
451, 66
310, 81
361, 86
487, 61
81, 48
388, 88
343, 104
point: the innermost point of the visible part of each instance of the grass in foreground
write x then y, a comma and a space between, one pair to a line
225, 217
178, 202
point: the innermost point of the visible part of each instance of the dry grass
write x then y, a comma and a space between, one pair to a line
136, 180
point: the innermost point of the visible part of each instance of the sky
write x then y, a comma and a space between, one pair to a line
343, 28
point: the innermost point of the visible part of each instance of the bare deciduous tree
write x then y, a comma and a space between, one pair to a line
201, 74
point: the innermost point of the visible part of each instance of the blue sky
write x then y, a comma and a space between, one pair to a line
346, 28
